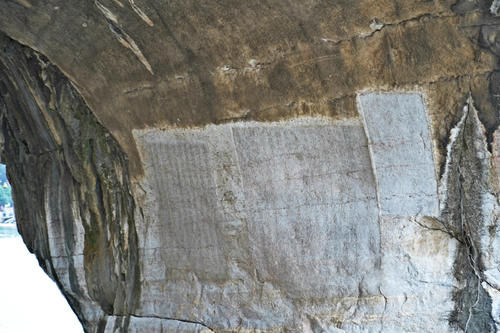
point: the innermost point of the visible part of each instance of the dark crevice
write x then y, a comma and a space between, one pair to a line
466, 180
179, 320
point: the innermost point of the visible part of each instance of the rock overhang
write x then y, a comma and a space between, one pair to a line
267, 193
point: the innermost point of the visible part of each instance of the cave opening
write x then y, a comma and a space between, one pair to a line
30, 301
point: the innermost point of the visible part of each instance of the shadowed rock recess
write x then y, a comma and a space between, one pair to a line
258, 166
71, 183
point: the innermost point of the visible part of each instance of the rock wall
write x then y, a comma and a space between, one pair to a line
263, 166
71, 188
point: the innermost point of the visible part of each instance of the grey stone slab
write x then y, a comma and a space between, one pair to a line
401, 150
188, 221
310, 195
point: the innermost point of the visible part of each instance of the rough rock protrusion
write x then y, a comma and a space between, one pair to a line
470, 213
71, 187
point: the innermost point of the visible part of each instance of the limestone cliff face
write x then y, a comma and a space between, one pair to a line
258, 166
70, 179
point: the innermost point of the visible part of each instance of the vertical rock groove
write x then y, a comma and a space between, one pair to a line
467, 181
71, 187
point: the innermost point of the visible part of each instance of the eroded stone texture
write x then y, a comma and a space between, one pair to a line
70, 183
468, 212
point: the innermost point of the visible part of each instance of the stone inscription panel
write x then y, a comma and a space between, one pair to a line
401, 149
311, 206
185, 233
245, 219
300, 192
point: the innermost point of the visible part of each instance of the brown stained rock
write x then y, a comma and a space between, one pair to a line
308, 53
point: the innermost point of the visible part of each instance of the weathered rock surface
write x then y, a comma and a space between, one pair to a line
262, 166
